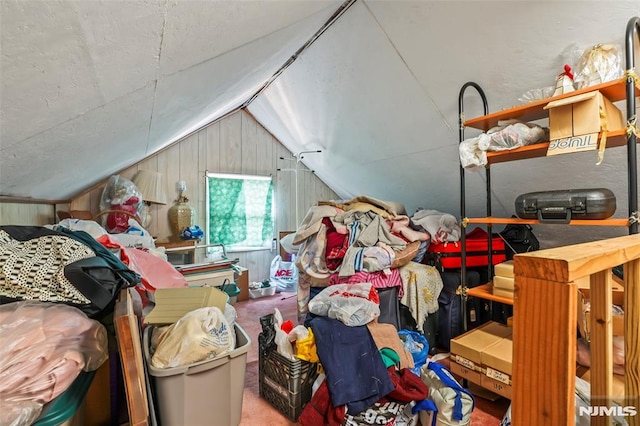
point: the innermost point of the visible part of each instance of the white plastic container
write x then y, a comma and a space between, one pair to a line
256, 293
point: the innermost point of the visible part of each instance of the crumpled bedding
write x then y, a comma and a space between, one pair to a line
154, 272
44, 347
441, 226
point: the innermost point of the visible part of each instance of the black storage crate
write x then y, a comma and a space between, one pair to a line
286, 384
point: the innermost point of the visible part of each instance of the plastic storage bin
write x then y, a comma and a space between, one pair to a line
256, 293
204, 393
232, 291
286, 384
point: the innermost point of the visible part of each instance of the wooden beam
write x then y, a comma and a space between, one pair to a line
601, 345
632, 338
545, 313
544, 352
569, 263
130, 350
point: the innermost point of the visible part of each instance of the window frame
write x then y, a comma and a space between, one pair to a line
222, 175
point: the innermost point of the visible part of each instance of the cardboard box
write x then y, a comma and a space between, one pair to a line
574, 122
173, 303
584, 318
496, 366
471, 375
504, 269
502, 292
496, 386
466, 349
506, 283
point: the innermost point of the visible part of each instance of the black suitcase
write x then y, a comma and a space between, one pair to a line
450, 322
562, 206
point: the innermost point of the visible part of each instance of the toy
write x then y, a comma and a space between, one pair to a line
564, 82
192, 233
121, 200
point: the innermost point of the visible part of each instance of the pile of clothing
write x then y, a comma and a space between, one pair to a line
368, 240
348, 252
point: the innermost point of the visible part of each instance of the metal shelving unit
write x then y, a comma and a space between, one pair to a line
625, 88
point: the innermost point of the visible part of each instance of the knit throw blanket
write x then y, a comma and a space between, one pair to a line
34, 269
422, 285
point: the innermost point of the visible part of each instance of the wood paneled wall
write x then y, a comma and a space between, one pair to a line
235, 144
26, 214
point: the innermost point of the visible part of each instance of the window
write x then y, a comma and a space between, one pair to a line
240, 210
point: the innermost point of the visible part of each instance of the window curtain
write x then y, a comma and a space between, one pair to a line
241, 211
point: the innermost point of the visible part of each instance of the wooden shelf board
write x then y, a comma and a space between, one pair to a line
507, 220
485, 291
614, 139
613, 90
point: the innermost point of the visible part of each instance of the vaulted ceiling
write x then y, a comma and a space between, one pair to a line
91, 87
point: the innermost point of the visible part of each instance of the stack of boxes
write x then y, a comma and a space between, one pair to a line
503, 279
483, 356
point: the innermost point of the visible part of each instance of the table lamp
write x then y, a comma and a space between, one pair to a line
152, 190
180, 214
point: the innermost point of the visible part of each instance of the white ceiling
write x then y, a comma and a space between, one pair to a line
103, 84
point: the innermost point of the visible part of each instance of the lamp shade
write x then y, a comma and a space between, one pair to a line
150, 186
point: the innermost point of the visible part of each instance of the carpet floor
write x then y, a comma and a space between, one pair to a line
258, 411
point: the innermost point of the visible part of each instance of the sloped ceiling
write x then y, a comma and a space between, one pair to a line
381, 103
99, 85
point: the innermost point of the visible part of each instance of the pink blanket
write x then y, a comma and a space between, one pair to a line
43, 348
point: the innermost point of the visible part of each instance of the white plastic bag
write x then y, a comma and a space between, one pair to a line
284, 275
583, 403
285, 348
599, 64
199, 335
353, 304
471, 156
513, 134
508, 134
